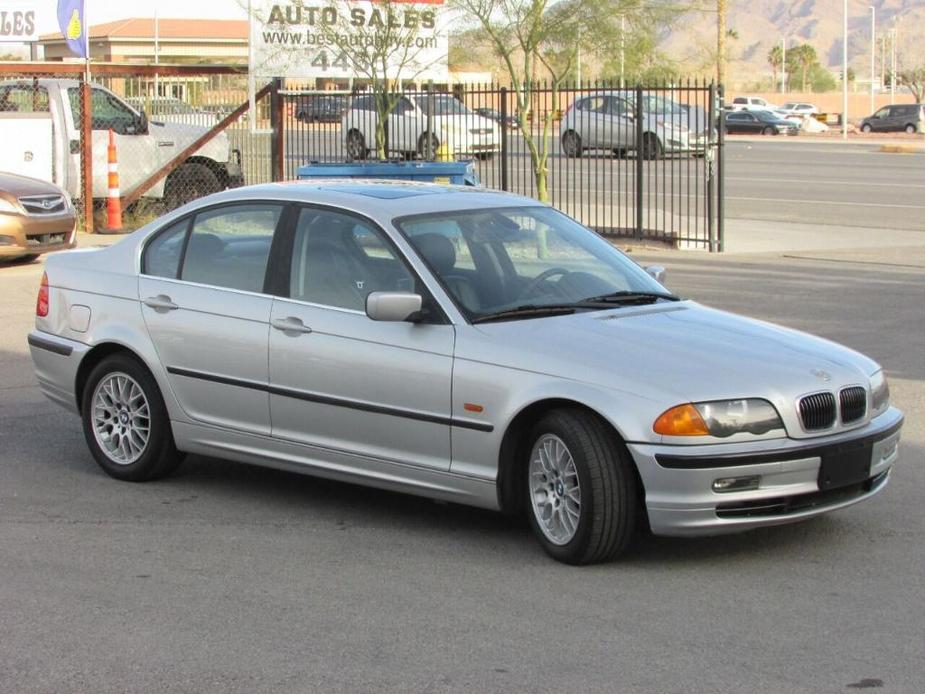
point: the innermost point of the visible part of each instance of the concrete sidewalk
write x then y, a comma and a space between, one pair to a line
757, 236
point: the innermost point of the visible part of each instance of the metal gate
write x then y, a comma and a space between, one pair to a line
643, 163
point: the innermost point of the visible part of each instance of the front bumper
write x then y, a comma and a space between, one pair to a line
679, 479
27, 235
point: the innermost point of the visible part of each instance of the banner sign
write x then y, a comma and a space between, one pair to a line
405, 40
17, 22
71, 21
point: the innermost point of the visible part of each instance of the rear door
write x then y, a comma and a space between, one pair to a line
206, 309
405, 126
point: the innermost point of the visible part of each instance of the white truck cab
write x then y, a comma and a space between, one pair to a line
143, 146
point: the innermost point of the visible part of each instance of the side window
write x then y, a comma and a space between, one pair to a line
617, 107
883, 112
24, 99
363, 103
402, 106
108, 112
162, 256
337, 260
229, 246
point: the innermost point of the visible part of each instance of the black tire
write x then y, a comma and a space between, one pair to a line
159, 456
434, 145
619, 153
910, 128
768, 130
356, 146
652, 147
571, 144
866, 128
607, 513
189, 182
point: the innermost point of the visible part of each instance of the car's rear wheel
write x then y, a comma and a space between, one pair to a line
356, 145
910, 128
125, 421
769, 130
422, 146
571, 144
866, 128
582, 501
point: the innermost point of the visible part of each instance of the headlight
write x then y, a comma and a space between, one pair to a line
879, 394
9, 207
721, 418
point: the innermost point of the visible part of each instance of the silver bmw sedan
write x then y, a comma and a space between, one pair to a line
459, 344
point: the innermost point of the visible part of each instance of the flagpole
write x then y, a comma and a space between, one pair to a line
86, 29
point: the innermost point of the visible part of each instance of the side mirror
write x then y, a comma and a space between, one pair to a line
393, 307
657, 272
142, 127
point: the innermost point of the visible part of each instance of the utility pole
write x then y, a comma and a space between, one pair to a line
720, 42
844, 72
893, 63
783, 64
873, 54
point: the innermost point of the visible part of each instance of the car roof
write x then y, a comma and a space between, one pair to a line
378, 198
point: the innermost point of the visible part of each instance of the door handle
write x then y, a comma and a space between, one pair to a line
161, 302
290, 325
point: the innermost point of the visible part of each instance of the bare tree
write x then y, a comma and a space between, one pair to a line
914, 80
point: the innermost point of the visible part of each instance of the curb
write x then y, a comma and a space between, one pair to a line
903, 149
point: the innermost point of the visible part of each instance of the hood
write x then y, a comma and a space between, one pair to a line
17, 186
681, 352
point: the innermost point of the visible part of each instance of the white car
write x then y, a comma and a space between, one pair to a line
752, 103
452, 124
798, 109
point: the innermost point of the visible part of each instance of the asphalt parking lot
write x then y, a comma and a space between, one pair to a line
230, 578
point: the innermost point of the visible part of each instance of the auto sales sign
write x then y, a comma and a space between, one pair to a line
17, 22
390, 38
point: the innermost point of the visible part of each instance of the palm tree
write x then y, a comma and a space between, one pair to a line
806, 57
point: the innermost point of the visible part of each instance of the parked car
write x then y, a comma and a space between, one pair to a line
607, 120
143, 145
908, 118
168, 109
759, 123
35, 217
495, 115
752, 103
414, 337
317, 108
452, 124
798, 109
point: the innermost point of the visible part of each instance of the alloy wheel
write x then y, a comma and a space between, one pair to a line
121, 418
555, 492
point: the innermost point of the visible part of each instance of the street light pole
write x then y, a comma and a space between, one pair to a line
844, 72
873, 52
783, 64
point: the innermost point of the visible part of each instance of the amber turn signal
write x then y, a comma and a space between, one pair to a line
683, 420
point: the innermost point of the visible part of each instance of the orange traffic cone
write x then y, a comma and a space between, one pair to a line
113, 201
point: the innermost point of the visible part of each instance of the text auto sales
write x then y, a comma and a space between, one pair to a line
359, 17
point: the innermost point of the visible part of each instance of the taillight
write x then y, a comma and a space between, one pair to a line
41, 303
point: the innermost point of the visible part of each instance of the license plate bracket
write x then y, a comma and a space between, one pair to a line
846, 466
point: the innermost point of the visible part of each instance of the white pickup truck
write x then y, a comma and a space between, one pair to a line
39, 123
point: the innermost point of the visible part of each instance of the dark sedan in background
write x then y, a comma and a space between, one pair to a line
759, 123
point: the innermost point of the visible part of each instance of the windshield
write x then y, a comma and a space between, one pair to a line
495, 260
790, 106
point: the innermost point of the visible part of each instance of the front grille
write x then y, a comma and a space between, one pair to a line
43, 204
39, 240
817, 411
853, 402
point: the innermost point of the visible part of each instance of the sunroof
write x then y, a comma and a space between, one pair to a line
386, 192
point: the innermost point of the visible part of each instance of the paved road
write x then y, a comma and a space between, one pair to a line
772, 179
229, 578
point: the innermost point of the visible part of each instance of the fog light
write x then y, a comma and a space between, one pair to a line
736, 484
7, 241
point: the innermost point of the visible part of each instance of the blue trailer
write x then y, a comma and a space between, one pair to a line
460, 173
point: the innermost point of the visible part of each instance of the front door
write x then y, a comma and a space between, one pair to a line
340, 381
203, 302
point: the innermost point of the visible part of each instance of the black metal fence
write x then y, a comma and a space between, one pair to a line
644, 163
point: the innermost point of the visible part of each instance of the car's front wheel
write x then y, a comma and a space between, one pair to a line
866, 128
125, 421
571, 144
582, 500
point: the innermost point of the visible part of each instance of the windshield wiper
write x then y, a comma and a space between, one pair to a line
629, 297
529, 311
